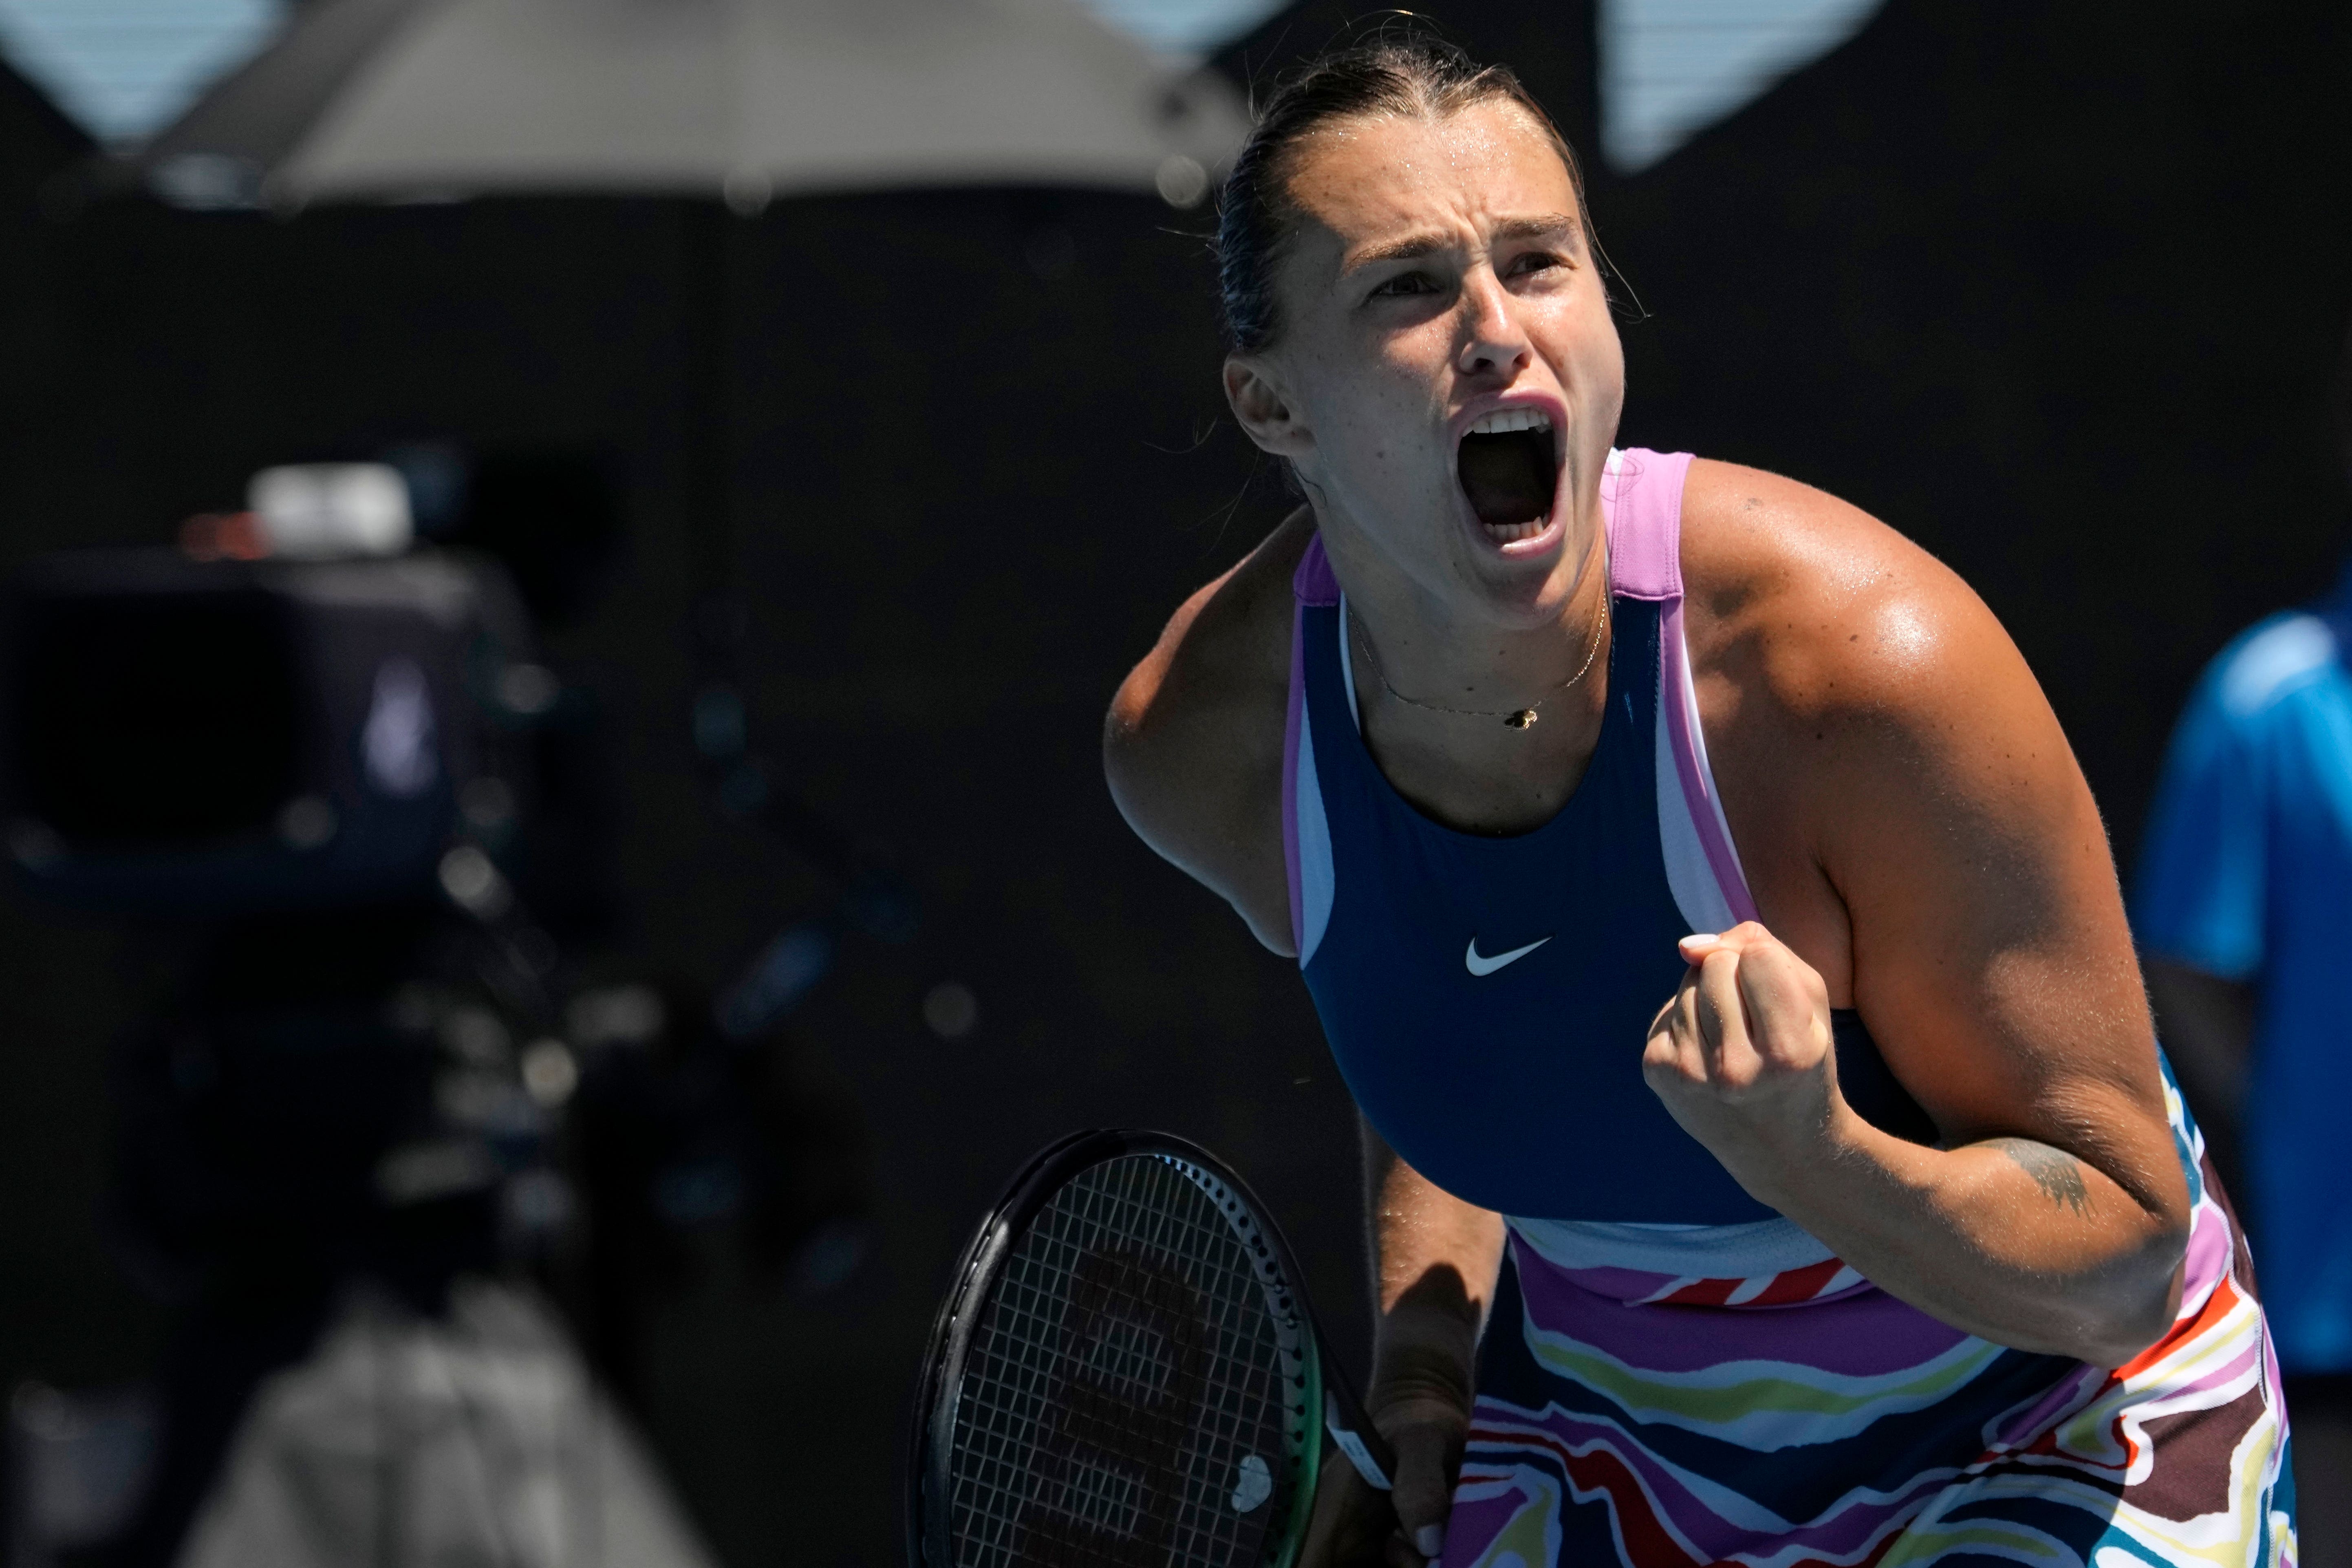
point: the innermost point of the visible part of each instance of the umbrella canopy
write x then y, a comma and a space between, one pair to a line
418, 99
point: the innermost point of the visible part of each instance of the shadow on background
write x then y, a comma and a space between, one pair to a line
2057, 290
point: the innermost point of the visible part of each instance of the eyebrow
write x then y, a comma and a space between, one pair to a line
1413, 244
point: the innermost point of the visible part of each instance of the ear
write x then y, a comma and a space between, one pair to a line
1263, 408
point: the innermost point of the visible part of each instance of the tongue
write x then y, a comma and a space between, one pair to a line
1508, 479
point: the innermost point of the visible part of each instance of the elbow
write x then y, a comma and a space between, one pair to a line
2140, 1304
2121, 1338
1126, 733
1119, 745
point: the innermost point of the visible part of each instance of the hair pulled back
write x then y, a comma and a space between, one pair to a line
1401, 72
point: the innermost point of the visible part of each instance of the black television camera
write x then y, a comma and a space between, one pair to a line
233, 737
323, 766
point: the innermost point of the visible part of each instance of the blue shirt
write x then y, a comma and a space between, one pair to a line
2247, 875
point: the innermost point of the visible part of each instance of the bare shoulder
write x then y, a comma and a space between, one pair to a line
1820, 607
1192, 745
1845, 673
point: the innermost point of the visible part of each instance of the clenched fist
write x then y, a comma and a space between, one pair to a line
1743, 1059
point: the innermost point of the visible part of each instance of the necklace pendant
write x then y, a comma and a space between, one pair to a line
1525, 719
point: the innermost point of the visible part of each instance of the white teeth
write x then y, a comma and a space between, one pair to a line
1512, 533
1504, 421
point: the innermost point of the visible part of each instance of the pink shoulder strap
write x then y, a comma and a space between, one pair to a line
1642, 497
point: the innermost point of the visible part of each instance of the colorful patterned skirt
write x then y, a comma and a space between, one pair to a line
1667, 1398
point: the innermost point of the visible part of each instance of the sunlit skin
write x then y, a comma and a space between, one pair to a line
1919, 841
1461, 282
1458, 283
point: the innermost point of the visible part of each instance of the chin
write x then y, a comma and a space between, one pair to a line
1533, 598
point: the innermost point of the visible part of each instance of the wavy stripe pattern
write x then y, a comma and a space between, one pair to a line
1807, 1418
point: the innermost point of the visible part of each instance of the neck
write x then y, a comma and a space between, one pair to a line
1435, 648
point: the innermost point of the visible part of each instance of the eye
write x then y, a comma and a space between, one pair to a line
1403, 284
1535, 261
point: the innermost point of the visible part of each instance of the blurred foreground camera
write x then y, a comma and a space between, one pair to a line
227, 736
355, 820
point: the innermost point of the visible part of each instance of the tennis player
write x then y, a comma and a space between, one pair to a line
1769, 1156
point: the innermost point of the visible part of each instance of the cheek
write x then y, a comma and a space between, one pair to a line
1604, 376
1581, 336
1371, 410
1596, 332
1609, 351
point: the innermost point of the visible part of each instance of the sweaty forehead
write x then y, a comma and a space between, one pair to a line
1367, 177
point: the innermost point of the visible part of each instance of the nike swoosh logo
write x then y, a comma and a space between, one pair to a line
1477, 963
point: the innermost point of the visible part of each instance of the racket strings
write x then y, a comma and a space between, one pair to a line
1129, 1401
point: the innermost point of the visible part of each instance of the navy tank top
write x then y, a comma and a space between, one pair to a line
1487, 998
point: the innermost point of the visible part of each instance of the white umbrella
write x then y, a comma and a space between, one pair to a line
410, 99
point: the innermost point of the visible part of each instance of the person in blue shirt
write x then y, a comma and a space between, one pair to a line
2243, 912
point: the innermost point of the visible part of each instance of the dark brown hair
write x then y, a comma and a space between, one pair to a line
1402, 72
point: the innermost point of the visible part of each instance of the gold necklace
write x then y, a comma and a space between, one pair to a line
1512, 718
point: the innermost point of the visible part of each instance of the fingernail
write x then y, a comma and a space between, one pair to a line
1430, 1539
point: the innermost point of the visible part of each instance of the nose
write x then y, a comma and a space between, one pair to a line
1492, 341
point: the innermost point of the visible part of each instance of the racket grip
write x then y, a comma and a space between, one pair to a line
1360, 1441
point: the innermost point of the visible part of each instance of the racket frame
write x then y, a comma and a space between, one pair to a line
1329, 1393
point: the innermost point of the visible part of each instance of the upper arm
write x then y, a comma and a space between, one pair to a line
1193, 744
1902, 791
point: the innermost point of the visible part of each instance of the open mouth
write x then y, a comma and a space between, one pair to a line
1510, 472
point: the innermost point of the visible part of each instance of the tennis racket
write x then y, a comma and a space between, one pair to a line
1127, 1374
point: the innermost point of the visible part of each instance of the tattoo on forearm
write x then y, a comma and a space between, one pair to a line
2057, 1173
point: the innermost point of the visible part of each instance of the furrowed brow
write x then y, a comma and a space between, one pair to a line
1401, 249
1410, 246
1538, 228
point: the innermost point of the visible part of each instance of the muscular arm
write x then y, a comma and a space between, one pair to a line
1917, 833
1193, 744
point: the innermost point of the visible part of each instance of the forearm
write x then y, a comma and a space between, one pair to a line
2014, 1240
1434, 1260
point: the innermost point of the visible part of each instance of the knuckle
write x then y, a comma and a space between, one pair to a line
1668, 1072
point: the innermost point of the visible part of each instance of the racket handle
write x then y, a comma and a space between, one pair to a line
1360, 1441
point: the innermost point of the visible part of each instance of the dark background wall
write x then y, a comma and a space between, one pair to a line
2057, 289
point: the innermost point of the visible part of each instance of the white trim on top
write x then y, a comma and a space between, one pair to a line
1761, 1246
1348, 667
1317, 879
1689, 874
1698, 759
